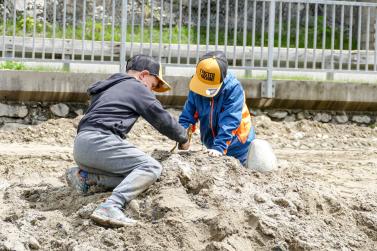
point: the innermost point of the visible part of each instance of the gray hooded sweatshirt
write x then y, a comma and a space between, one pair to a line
116, 104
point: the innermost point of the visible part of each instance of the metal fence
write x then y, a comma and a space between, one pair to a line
283, 35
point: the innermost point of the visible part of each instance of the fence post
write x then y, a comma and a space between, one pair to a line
123, 36
268, 87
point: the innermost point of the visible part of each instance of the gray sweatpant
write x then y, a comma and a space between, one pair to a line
115, 163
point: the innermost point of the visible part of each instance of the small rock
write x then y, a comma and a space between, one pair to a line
33, 243
60, 110
361, 119
79, 112
298, 135
260, 198
300, 116
341, 119
322, 117
278, 114
87, 210
280, 247
309, 114
14, 111
290, 118
12, 126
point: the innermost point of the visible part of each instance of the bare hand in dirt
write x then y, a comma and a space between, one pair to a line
184, 146
214, 153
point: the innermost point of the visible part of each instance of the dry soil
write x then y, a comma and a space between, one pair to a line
322, 197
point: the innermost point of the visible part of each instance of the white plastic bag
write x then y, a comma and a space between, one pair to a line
261, 157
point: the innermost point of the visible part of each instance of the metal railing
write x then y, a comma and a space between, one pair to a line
281, 35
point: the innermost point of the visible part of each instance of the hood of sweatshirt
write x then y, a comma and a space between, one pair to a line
103, 85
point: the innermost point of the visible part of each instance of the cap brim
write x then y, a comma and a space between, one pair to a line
203, 89
164, 87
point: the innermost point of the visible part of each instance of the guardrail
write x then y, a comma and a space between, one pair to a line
271, 35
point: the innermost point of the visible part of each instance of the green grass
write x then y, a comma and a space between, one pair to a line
186, 35
19, 66
10, 65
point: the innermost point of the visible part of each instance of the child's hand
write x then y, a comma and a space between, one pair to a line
214, 153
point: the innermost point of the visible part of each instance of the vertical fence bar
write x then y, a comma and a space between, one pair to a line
288, 32
189, 35
14, 26
112, 30
253, 34
235, 32
315, 36
332, 37
226, 25
324, 35
161, 30
24, 31
103, 29
367, 41
306, 35
179, 32
44, 29
375, 43
64, 22
280, 29
170, 30
359, 38
341, 38
132, 27
53, 30
83, 31
244, 32
217, 24
198, 31
269, 90
262, 33
151, 29
350, 39
34, 25
297, 34
123, 36
93, 28
74, 29
142, 26
4, 27
208, 23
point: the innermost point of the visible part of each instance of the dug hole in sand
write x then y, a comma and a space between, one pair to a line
322, 197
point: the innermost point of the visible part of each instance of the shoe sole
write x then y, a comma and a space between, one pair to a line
109, 222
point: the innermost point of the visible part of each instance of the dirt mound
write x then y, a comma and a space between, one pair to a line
323, 196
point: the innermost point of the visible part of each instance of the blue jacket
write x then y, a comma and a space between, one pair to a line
225, 123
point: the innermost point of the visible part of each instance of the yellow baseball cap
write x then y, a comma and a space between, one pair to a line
210, 74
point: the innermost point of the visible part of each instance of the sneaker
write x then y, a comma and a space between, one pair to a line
76, 179
111, 216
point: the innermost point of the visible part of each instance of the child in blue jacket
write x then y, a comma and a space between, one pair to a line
217, 100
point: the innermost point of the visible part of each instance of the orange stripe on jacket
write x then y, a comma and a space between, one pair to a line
243, 130
196, 117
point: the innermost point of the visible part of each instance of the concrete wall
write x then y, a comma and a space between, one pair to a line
308, 95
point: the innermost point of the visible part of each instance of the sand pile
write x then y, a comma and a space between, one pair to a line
323, 196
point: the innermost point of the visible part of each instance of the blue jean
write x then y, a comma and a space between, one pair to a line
113, 162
